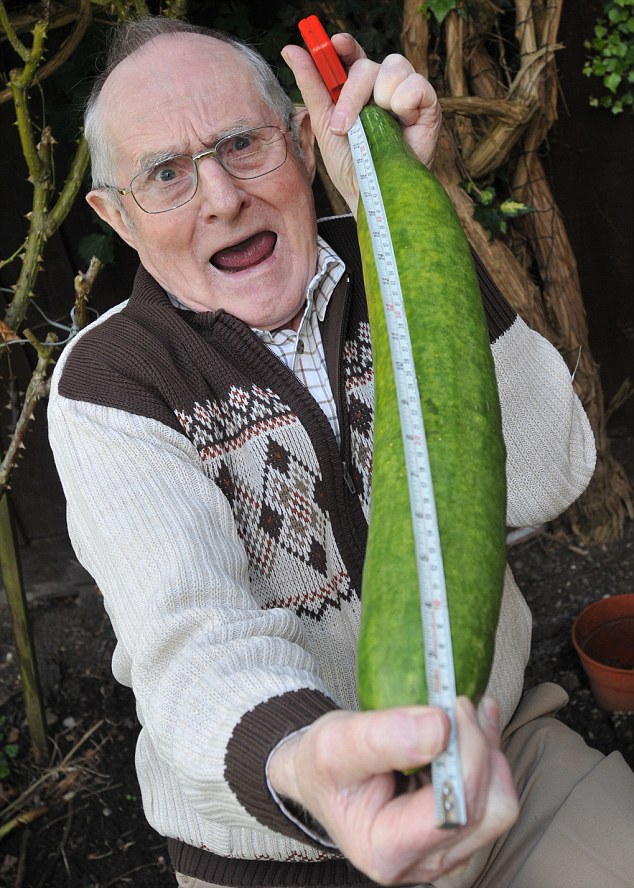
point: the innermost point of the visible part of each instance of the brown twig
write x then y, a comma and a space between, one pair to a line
83, 285
455, 75
510, 112
61, 850
82, 18
52, 773
127, 873
21, 868
493, 151
37, 388
22, 819
331, 14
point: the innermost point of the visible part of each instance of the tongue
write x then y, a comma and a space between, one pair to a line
245, 254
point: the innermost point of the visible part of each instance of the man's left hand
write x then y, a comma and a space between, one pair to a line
393, 85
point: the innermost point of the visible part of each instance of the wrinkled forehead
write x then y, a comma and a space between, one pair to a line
177, 71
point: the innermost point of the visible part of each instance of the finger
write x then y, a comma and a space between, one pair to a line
493, 814
355, 94
347, 48
413, 99
489, 720
393, 71
500, 814
474, 758
309, 81
401, 90
406, 843
313, 89
489, 788
381, 741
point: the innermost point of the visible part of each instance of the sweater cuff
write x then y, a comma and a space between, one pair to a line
293, 810
255, 736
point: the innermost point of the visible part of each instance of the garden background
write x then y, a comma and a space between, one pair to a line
86, 824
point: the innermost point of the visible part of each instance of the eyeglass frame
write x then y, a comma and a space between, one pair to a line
207, 152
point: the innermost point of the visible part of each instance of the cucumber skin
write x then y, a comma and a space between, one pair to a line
460, 404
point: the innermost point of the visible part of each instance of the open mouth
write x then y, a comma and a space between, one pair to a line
247, 254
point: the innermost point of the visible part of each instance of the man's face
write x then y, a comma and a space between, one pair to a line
179, 94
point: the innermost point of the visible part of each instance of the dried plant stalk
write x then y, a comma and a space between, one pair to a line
415, 35
514, 121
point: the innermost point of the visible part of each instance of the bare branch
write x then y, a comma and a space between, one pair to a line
37, 388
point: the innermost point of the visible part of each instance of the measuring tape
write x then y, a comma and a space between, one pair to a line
446, 771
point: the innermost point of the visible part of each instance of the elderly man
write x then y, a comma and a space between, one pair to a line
213, 435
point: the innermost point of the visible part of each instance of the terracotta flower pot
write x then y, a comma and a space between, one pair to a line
603, 635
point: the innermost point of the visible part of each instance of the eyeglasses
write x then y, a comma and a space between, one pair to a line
173, 182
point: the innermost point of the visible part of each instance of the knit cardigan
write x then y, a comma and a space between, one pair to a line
225, 527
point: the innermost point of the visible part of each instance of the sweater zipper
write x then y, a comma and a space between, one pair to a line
342, 413
347, 477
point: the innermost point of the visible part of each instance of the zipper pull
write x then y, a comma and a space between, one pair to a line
347, 477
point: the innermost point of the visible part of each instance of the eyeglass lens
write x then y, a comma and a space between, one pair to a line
245, 155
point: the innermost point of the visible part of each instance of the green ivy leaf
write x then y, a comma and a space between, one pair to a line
486, 196
512, 209
440, 8
99, 245
483, 196
490, 219
612, 81
612, 56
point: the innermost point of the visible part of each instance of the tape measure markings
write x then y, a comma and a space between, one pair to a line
446, 771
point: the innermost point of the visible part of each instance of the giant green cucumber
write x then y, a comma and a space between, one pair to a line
460, 405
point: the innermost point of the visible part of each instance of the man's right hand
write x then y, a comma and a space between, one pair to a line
342, 770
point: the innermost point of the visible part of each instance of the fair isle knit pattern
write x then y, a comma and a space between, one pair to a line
279, 507
225, 526
357, 360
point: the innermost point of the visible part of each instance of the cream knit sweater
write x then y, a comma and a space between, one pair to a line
205, 497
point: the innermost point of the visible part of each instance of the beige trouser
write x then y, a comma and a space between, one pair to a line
576, 827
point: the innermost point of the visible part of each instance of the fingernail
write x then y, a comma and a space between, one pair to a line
466, 707
435, 730
338, 122
489, 711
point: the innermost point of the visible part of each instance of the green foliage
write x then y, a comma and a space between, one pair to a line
612, 56
99, 244
440, 8
493, 211
8, 751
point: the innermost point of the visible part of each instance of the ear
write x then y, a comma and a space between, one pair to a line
306, 140
112, 215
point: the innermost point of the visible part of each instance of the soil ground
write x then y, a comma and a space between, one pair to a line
93, 833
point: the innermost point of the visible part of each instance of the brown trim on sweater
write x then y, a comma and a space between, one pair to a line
238, 873
499, 314
253, 738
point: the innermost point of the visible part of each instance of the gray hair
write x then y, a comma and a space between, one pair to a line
129, 37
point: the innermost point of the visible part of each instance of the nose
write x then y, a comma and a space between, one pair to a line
218, 192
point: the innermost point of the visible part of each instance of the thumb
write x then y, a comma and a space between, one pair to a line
311, 85
363, 744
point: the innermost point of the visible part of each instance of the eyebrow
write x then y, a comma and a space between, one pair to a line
147, 161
